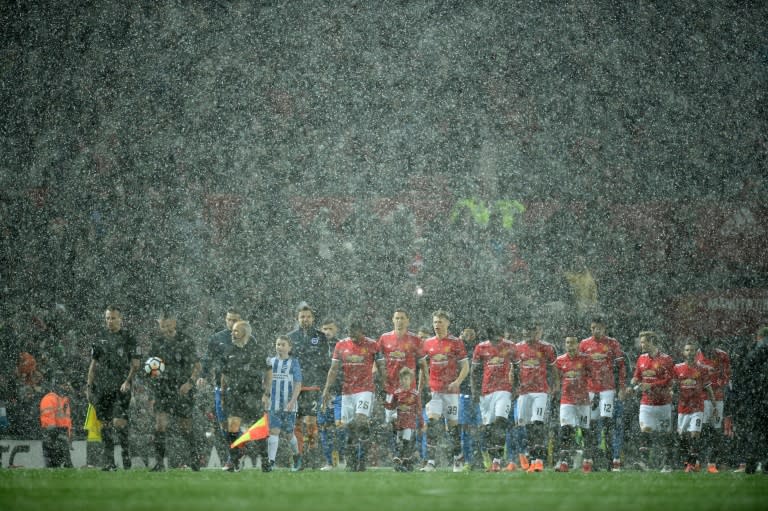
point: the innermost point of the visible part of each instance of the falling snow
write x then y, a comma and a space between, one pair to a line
354, 155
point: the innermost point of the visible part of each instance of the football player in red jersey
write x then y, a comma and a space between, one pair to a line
718, 362
534, 359
573, 371
491, 380
355, 356
607, 383
653, 376
692, 381
448, 367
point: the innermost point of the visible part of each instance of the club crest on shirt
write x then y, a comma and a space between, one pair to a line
397, 355
314, 341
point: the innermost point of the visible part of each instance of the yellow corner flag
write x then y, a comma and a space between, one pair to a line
92, 425
259, 430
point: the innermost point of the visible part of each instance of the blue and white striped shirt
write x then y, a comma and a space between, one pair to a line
285, 374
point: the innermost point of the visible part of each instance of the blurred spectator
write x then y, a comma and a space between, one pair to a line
29, 391
755, 416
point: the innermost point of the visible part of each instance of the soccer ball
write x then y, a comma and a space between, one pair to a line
154, 367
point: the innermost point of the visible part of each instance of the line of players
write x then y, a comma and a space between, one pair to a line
296, 380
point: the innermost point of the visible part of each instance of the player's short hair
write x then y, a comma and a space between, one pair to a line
284, 338
304, 306
531, 323
650, 335
440, 313
600, 320
355, 325
114, 308
329, 321
491, 330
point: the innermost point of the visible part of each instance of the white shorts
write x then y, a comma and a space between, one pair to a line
355, 404
390, 414
575, 415
708, 418
656, 418
496, 404
443, 405
531, 408
605, 408
406, 434
689, 422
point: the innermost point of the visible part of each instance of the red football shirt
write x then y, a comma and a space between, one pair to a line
533, 359
495, 360
399, 352
606, 354
657, 371
574, 374
719, 367
408, 405
444, 357
356, 364
691, 381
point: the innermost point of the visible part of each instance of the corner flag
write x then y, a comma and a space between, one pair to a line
259, 430
92, 425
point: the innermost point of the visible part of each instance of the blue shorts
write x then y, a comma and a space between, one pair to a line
221, 416
513, 412
284, 421
331, 414
469, 412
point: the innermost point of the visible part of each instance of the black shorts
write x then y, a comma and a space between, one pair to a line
168, 400
310, 402
111, 405
246, 405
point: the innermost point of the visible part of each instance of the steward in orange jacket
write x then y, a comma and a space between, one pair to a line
56, 423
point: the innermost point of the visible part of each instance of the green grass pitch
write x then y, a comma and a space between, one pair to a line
214, 490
